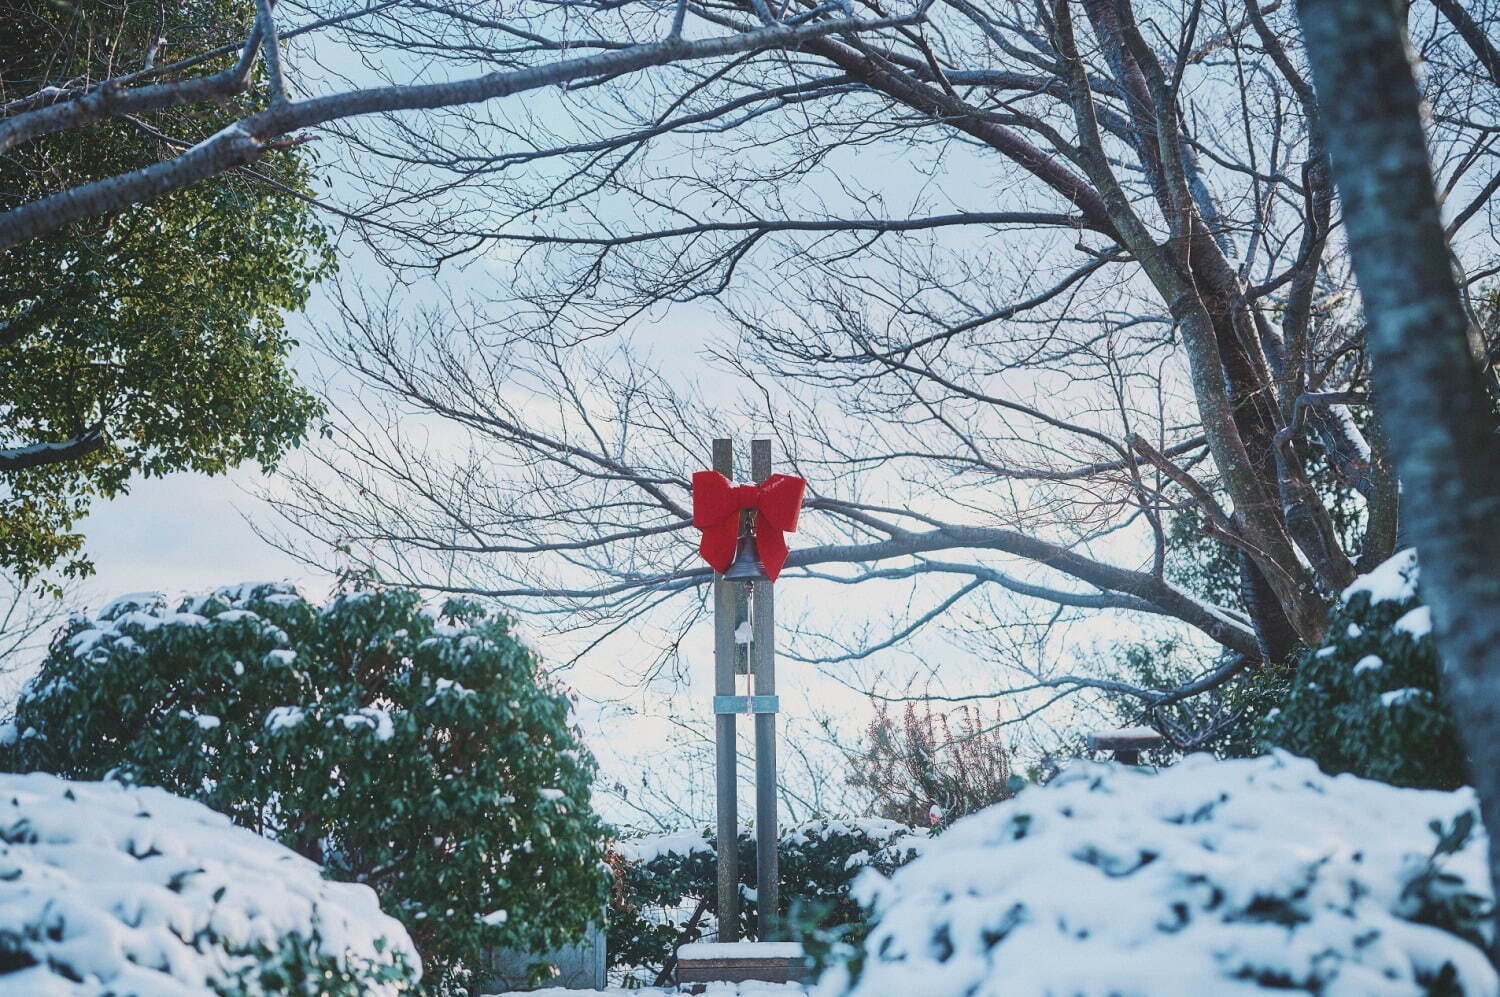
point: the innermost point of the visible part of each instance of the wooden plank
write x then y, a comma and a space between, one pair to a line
776, 962
784, 971
726, 759
763, 663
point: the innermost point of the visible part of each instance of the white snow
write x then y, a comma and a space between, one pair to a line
203, 720
1140, 732
495, 917
448, 687
282, 656
235, 616
1193, 880
284, 717
84, 641
743, 633
1400, 697
652, 846
747, 989
134, 602
735, 950
887, 835
1369, 663
1394, 579
1418, 622
371, 718
137, 891
273, 592
870, 827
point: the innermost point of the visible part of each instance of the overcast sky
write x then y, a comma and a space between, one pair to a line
184, 533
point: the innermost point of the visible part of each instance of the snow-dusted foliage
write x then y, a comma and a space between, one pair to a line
749, 988
112, 890
661, 879
1210, 877
1368, 701
427, 757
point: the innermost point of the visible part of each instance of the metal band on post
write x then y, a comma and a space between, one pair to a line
747, 704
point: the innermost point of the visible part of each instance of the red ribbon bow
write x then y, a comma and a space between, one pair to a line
716, 511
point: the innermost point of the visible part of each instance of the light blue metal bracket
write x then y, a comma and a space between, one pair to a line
747, 704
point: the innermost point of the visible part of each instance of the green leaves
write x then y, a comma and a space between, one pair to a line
422, 758
819, 862
1369, 700
160, 329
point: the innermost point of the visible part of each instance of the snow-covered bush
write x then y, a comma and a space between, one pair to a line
428, 759
112, 890
662, 879
1209, 877
1368, 701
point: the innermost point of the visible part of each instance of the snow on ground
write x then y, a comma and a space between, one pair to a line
107, 889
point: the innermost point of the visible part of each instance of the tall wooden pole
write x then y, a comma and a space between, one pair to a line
725, 755
763, 664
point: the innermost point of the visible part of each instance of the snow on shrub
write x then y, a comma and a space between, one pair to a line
1208, 877
1369, 700
105, 889
662, 880
428, 757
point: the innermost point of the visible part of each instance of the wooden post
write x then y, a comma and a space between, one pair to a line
763, 663
725, 754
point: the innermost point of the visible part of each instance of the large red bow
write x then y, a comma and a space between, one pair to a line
716, 511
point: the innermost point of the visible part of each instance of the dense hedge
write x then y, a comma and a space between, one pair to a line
1369, 700
662, 880
424, 756
1251, 876
107, 889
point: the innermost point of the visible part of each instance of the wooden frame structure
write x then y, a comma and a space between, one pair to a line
735, 603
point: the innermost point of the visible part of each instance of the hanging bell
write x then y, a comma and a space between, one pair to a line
746, 566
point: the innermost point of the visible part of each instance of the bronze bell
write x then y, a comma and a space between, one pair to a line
746, 566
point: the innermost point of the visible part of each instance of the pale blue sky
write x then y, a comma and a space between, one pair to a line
184, 532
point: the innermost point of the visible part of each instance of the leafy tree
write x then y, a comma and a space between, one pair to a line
1221, 720
428, 759
1368, 701
152, 339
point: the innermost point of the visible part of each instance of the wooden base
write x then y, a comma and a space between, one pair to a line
703, 963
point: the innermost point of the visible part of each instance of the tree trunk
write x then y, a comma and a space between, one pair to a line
1431, 398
